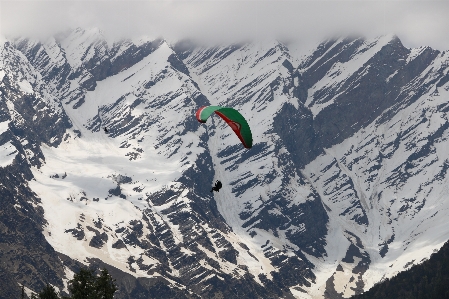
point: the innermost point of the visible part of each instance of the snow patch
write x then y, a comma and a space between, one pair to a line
414, 53
25, 86
340, 72
4, 126
7, 154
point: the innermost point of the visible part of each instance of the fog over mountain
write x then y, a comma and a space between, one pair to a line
418, 23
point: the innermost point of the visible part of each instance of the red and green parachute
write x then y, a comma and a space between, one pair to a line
233, 118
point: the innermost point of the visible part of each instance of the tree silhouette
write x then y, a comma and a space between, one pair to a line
48, 292
423, 281
105, 286
85, 285
82, 286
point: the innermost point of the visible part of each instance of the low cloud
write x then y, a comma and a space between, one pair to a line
417, 23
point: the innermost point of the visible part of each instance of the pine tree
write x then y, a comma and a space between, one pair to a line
105, 286
47, 292
82, 286
85, 285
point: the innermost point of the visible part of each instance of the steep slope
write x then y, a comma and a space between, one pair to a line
26, 254
344, 185
386, 184
267, 202
346, 87
138, 197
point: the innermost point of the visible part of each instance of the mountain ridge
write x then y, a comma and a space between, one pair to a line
295, 217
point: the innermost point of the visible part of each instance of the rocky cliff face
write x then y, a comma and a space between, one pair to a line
343, 186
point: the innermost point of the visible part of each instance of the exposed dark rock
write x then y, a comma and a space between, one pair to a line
27, 258
178, 64
186, 259
230, 255
117, 192
330, 292
77, 232
99, 239
119, 245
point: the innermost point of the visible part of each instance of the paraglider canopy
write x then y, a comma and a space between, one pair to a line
233, 118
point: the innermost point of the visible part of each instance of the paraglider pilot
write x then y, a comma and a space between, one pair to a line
106, 130
217, 187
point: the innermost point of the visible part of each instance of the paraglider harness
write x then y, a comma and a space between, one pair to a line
217, 187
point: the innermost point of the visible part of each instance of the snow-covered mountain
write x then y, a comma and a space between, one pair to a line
344, 185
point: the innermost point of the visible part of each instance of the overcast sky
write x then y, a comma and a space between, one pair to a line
417, 23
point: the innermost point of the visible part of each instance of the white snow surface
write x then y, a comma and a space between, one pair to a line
242, 80
87, 166
7, 154
340, 72
410, 215
78, 46
415, 52
74, 182
4, 126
